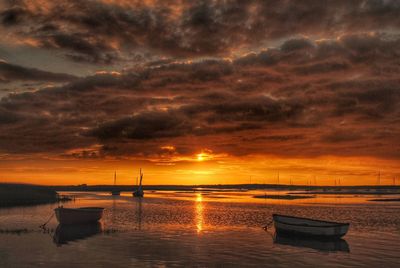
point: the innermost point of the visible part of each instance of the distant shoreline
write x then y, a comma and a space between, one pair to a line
386, 200
387, 189
283, 197
12, 194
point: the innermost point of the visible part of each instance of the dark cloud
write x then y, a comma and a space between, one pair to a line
308, 99
7, 117
103, 31
341, 136
12, 16
279, 138
296, 44
11, 73
147, 125
323, 67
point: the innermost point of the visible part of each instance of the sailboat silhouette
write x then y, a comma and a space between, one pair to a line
139, 191
114, 191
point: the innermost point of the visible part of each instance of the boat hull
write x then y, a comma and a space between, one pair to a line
138, 193
115, 192
288, 225
78, 215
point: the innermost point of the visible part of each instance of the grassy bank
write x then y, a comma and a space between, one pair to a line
25, 194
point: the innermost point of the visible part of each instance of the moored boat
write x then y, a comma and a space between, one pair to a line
139, 191
78, 215
309, 227
115, 191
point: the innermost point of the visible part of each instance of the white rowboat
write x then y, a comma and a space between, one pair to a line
309, 227
78, 215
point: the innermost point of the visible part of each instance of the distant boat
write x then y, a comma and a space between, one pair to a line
115, 191
78, 215
139, 191
309, 227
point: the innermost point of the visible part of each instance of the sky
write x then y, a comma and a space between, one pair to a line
200, 92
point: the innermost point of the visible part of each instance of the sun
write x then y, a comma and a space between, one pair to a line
200, 157
204, 155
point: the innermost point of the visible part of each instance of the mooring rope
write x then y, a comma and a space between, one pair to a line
269, 224
43, 226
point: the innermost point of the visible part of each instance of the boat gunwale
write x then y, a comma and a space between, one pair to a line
97, 209
333, 224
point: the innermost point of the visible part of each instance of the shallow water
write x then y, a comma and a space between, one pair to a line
200, 229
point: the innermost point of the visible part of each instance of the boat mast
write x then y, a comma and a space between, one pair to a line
115, 178
141, 178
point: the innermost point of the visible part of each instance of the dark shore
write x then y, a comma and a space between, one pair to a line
284, 197
26, 194
386, 200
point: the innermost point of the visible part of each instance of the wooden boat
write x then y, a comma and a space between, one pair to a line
115, 191
139, 191
78, 215
309, 227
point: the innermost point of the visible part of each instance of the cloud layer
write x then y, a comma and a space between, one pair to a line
108, 31
304, 98
11, 73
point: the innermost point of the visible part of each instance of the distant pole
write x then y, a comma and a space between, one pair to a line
265, 190
379, 178
278, 177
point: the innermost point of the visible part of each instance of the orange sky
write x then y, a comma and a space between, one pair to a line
205, 169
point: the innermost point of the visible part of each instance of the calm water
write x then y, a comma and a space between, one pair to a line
209, 229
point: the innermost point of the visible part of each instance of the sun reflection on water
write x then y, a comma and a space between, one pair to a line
199, 213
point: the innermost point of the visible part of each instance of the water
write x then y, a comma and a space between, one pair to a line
209, 229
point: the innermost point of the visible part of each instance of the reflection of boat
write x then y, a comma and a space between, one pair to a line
72, 232
115, 191
139, 213
337, 244
78, 215
139, 191
309, 227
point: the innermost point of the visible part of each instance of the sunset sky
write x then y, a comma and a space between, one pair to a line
200, 92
